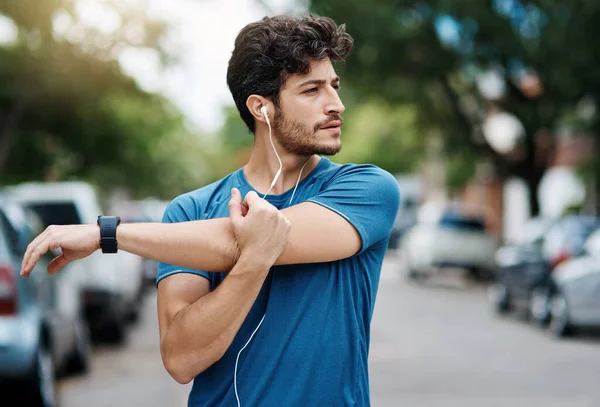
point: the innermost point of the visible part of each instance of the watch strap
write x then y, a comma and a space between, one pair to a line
108, 233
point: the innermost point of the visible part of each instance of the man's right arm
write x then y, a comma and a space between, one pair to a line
198, 326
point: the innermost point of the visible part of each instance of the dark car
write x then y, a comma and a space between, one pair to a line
523, 272
41, 327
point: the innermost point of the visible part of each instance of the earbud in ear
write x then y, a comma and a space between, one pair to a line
263, 110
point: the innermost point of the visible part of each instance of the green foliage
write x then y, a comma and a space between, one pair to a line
430, 54
230, 147
460, 168
381, 134
68, 112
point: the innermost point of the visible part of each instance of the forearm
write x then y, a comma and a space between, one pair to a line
199, 334
208, 245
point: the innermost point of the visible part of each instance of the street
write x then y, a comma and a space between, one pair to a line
435, 344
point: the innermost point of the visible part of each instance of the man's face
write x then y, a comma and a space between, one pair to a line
308, 120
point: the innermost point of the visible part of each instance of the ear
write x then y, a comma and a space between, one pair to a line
254, 103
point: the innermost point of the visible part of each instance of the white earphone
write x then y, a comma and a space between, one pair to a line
264, 111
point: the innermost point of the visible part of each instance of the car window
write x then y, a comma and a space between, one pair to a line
9, 233
59, 213
5, 232
462, 223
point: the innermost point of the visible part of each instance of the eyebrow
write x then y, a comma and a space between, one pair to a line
318, 81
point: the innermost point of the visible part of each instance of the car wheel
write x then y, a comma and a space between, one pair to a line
499, 298
539, 306
79, 361
559, 316
42, 383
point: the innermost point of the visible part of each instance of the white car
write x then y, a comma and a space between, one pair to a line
449, 240
576, 302
110, 284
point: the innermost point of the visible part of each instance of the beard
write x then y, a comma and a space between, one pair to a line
299, 139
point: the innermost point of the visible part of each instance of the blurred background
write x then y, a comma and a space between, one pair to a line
485, 111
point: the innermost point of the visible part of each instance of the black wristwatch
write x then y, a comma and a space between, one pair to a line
108, 233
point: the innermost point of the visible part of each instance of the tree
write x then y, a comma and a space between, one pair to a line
68, 111
434, 54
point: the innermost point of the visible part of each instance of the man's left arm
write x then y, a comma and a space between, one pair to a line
355, 211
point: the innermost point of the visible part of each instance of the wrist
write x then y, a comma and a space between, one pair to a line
95, 230
251, 263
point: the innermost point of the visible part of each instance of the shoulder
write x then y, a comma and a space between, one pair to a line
197, 204
368, 176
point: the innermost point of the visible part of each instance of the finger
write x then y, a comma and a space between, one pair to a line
244, 209
57, 264
251, 199
30, 248
235, 205
37, 253
33, 258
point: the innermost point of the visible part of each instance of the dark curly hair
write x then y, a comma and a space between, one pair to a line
268, 51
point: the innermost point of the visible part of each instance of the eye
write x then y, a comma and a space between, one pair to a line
311, 90
336, 87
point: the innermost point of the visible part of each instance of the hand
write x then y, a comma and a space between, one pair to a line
261, 230
76, 242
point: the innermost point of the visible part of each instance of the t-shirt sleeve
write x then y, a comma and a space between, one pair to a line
367, 197
181, 209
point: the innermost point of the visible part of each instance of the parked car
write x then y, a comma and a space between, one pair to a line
42, 329
576, 300
452, 239
110, 285
523, 274
411, 193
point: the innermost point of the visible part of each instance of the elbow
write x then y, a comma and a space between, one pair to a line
180, 378
179, 370
184, 369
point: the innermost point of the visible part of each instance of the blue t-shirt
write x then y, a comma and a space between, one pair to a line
312, 347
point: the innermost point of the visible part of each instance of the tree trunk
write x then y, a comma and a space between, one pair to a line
533, 181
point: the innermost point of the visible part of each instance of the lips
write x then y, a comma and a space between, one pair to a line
332, 124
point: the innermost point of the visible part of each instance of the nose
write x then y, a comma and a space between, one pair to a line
334, 104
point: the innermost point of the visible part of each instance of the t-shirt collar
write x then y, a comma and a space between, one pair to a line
245, 187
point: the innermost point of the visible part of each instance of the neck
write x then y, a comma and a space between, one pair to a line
263, 166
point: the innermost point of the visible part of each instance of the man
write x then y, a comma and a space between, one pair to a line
271, 306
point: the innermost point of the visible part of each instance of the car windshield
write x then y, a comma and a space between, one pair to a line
60, 213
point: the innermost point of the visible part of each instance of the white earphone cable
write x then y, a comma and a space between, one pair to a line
238, 358
298, 181
263, 110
